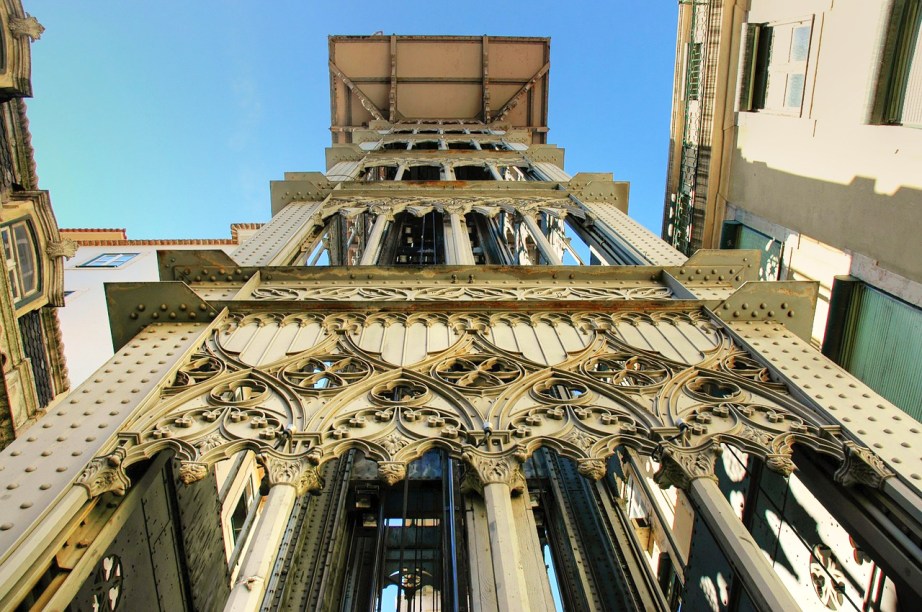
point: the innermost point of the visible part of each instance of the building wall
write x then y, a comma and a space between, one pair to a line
85, 320
826, 171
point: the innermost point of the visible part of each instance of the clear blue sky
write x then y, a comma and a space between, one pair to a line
170, 118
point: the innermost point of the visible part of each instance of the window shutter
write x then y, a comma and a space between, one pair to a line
750, 43
912, 98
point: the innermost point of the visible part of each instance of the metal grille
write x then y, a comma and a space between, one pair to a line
33, 341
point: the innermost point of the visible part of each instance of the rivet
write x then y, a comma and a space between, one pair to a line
745, 306
183, 307
133, 315
25, 505
784, 305
172, 315
6, 526
12, 485
155, 315
141, 307
202, 307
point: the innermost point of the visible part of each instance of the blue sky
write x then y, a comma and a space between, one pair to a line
170, 118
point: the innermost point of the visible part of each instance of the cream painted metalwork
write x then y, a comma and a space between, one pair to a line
300, 389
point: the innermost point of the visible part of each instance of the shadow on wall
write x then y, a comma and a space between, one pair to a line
853, 217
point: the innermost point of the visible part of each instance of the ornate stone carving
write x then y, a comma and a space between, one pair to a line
486, 469
393, 442
780, 463
392, 472
298, 472
105, 474
594, 469
26, 26
679, 466
190, 471
580, 440
862, 466
66, 248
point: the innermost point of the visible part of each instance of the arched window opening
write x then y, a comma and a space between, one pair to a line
473, 173
422, 173
406, 541
462, 145
379, 173
397, 145
340, 242
425, 145
413, 240
518, 173
488, 245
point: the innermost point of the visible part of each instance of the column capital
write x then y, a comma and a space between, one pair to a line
192, 471
392, 472
297, 472
861, 466
680, 466
485, 470
105, 474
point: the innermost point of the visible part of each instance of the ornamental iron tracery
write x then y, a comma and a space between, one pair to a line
325, 373
626, 370
311, 408
484, 372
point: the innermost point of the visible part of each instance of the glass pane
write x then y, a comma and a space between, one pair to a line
800, 44
7, 247
25, 254
795, 94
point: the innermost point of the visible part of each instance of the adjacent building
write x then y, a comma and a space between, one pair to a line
109, 256
32, 364
448, 375
796, 131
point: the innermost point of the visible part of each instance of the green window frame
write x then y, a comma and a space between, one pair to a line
23, 264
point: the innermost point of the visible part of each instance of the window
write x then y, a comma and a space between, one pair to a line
775, 66
22, 263
241, 512
735, 235
108, 260
900, 87
866, 328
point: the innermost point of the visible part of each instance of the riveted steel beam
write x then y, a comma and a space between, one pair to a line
133, 306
